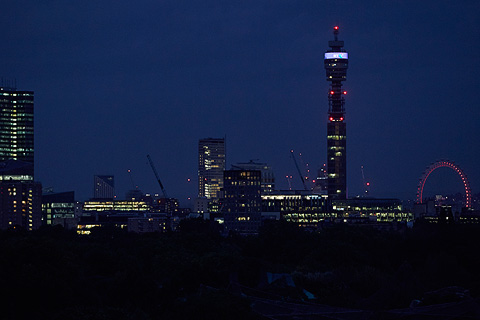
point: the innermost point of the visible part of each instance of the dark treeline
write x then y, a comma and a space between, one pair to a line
196, 274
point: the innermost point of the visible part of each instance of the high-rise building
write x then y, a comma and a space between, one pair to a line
242, 205
103, 187
16, 124
20, 196
336, 64
211, 164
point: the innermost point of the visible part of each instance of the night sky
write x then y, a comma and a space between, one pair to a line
117, 80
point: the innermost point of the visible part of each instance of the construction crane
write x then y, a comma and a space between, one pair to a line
308, 181
289, 183
298, 169
156, 176
135, 187
366, 184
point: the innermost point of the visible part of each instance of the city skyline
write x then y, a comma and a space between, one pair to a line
114, 83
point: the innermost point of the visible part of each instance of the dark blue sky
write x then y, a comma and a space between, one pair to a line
117, 80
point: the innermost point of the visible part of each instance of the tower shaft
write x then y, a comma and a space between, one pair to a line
336, 64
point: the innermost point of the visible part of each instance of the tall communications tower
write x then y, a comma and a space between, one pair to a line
336, 64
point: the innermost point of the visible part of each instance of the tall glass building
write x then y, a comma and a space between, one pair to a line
16, 125
20, 196
211, 164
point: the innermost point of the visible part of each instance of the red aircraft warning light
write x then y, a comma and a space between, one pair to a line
344, 92
336, 27
332, 92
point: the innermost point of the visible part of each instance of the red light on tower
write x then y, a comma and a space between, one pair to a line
336, 27
331, 118
341, 119
344, 92
332, 92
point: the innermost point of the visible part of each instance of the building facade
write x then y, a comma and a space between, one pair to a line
103, 187
16, 125
268, 178
20, 204
148, 224
59, 209
242, 206
98, 205
211, 164
360, 210
302, 208
20, 196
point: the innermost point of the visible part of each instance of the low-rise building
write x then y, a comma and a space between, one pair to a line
148, 223
115, 206
59, 209
303, 208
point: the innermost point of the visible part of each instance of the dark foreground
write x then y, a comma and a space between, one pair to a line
342, 272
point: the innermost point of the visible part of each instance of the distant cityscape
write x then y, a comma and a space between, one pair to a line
238, 200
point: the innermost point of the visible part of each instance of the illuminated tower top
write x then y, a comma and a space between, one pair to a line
336, 65
336, 59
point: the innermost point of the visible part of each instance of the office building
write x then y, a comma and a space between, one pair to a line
362, 210
201, 205
300, 207
20, 196
115, 206
16, 125
103, 187
268, 178
211, 164
336, 64
171, 206
242, 205
59, 209
103, 220
148, 224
